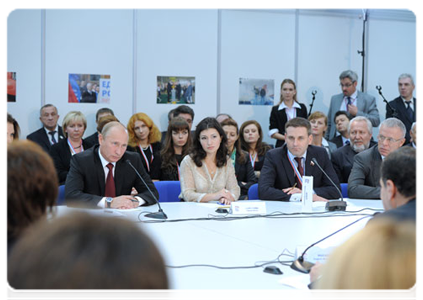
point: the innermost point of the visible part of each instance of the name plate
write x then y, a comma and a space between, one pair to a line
248, 208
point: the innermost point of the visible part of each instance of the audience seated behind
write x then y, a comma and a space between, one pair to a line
176, 146
341, 121
207, 174
13, 129
363, 182
44, 136
360, 133
144, 138
287, 108
251, 137
92, 140
74, 125
183, 111
31, 187
86, 251
319, 124
281, 173
240, 159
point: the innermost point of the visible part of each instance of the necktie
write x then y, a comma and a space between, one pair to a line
348, 101
409, 110
347, 142
110, 190
301, 170
53, 140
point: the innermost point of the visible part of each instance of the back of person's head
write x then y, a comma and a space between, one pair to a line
85, 251
380, 256
103, 111
400, 167
32, 186
299, 122
183, 109
104, 120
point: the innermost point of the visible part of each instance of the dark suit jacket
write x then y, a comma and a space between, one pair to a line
86, 180
363, 182
337, 140
277, 174
342, 161
91, 140
62, 155
88, 97
406, 212
155, 165
40, 137
400, 109
244, 173
278, 120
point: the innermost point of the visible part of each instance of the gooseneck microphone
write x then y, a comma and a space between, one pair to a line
334, 205
304, 266
393, 110
157, 215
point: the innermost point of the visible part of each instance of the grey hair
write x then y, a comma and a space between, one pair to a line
349, 74
361, 119
394, 122
406, 75
413, 126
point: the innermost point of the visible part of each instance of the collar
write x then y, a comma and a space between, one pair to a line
405, 102
104, 162
291, 156
55, 129
283, 105
353, 96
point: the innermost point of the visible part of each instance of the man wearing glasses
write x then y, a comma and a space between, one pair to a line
363, 182
354, 102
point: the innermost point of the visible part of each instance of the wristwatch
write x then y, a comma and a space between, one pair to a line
109, 201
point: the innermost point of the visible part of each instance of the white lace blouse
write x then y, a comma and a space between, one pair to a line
196, 182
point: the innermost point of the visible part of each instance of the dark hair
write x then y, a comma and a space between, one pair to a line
168, 152
340, 112
104, 120
102, 111
85, 251
241, 157
15, 124
299, 122
198, 153
31, 186
261, 147
400, 167
183, 109
170, 115
295, 88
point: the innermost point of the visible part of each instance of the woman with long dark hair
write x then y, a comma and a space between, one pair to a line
207, 174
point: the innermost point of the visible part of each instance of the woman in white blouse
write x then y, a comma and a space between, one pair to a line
207, 174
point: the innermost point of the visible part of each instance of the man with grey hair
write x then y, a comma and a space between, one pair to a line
103, 177
360, 133
363, 182
51, 133
354, 102
413, 136
404, 106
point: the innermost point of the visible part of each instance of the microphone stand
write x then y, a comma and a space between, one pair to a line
393, 110
312, 102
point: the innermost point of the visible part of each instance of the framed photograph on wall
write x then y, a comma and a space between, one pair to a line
11, 86
256, 91
175, 90
89, 88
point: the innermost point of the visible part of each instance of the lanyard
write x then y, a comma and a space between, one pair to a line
179, 173
297, 173
72, 149
145, 157
253, 160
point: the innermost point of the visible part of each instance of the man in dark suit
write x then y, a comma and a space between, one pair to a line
360, 133
102, 177
398, 185
354, 102
405, 104
89, 96
363, 182
50, 133
92, 140
341, 122
283, 167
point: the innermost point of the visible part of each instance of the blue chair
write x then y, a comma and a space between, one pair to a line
253, 192
168, 190
61, 196
344, 190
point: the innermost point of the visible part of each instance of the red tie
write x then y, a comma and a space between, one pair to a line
110, 190
301, 170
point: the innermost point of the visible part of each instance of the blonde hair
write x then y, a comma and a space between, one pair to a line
154, 136
381, 256
73, 116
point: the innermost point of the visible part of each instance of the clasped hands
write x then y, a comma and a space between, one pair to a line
295, 190
225, 197
124, 202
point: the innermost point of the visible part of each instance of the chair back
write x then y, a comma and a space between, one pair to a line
168, 190
344, 190
61, 196
253, 192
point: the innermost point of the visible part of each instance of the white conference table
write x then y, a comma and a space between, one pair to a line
242, 242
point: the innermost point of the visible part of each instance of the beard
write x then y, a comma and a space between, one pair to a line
360, 148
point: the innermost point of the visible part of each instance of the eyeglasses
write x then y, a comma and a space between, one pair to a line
382, 138
348, 85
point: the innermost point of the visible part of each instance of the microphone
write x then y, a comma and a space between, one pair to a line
393, 110
157, 215
336, 205
304, 266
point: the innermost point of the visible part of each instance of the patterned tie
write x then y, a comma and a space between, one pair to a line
348, 101
53, 140
110, 190
301, 170
410, 112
